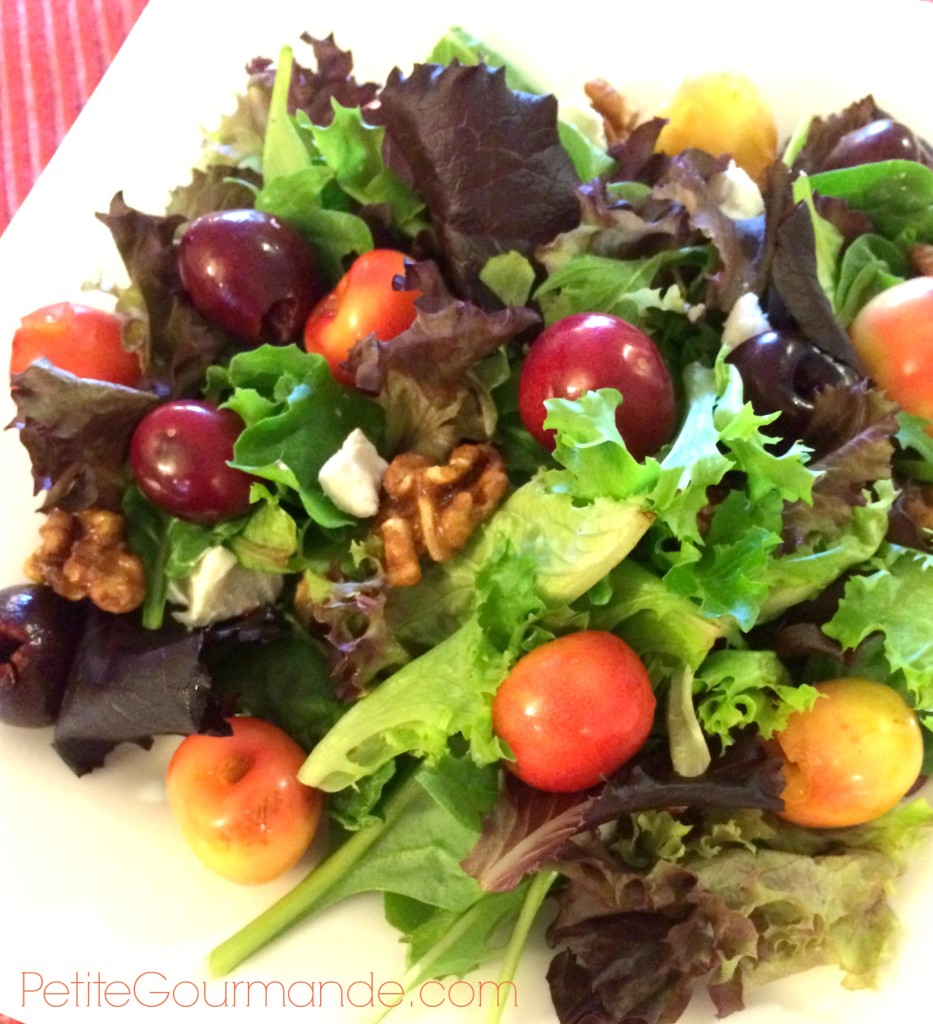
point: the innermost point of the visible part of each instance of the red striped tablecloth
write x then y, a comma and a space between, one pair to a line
52, 55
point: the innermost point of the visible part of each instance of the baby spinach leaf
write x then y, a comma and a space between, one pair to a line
896, 194
284, 681
870, 265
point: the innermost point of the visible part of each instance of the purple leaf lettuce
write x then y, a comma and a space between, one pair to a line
486, 161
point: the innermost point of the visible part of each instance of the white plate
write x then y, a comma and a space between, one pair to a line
95, 884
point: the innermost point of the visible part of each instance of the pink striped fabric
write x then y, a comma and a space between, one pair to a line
52, 55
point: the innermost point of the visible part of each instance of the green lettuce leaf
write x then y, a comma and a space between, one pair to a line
318, 177
296, 417
667, 630
802, 573
571, 546
510, 277
445, 692
352, 149
673, 636
299, 186
624, 288
726, 570
694, 462
459, 44
917, 447
334, 234
727, 574
590, 447
269, 541
285, 151
827, 238
736, 689
885, 601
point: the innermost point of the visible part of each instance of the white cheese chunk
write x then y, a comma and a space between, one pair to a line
696, 312
736, 194
746, 319
352, 476
219, 588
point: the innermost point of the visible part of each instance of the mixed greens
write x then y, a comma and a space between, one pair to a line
778, 539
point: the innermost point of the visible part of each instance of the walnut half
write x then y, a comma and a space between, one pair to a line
85, 555
433, 510
619, 119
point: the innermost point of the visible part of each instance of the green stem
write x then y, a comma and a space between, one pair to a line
421, 969
302, 900
537, 891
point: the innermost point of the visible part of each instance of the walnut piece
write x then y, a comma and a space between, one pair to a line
918, 504
921, 258
619, 120
85, 555
433, 510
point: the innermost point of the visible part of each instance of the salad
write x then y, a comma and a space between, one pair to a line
758, 529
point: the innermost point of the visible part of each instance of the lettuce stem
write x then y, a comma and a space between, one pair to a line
424, 968
302, 900
537, 891
421, 970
